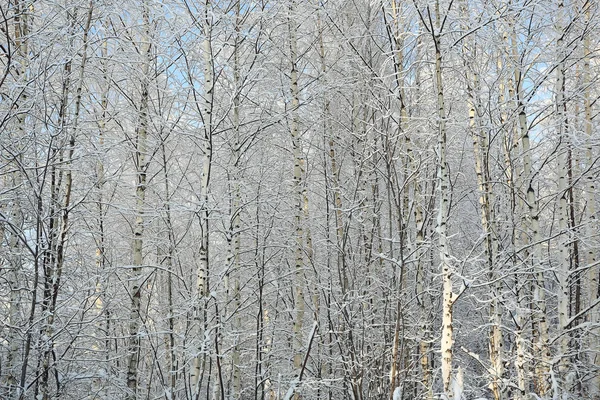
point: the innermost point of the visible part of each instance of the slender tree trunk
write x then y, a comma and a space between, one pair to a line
481, 154
167, 258
233, 257
443, 189
591, 230
423, 272
300, 194
531, 241
401, 199
141, 166
207, 117
565, 253
101, 295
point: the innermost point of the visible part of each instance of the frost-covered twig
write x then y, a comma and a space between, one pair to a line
296, 381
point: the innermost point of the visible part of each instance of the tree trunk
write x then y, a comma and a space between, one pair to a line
202, 283
591, 258
233, 257
300, 193
141, 166
565, 253
531, 241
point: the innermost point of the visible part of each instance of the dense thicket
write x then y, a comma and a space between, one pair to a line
237, 199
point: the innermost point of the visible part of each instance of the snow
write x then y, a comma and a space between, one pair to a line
457, 384
291, 390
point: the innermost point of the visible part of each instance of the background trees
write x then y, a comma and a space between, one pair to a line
254, 199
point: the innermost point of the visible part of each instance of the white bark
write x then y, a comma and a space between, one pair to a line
531, 237
207, 150
443, 189
300, 194
591, 229
141, 164
233, 258
563, 216
486, 202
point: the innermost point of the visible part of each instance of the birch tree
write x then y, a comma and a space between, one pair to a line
141, 167
443, 192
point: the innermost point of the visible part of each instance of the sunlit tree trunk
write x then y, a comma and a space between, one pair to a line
481, 154
423, 272
141, 167
443, 192
443, 182
207, 150
531, 242
513, 181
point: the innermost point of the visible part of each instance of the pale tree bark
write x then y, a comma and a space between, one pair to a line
481, 154
566, 240
100, 239
202, 282
514, 180
443, 178
531, 241
591, 229
423, 273
510, 142
141, 168
443, 192
233, 255
299, 193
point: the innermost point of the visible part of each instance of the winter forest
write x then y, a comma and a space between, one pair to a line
299, 199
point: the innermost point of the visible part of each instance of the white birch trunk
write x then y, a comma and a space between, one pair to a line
481, 152
233, 257
299, 192
141, 164
443, 189
207, 118
531, 237
486, 202
422, 275
563, 216
591, 230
